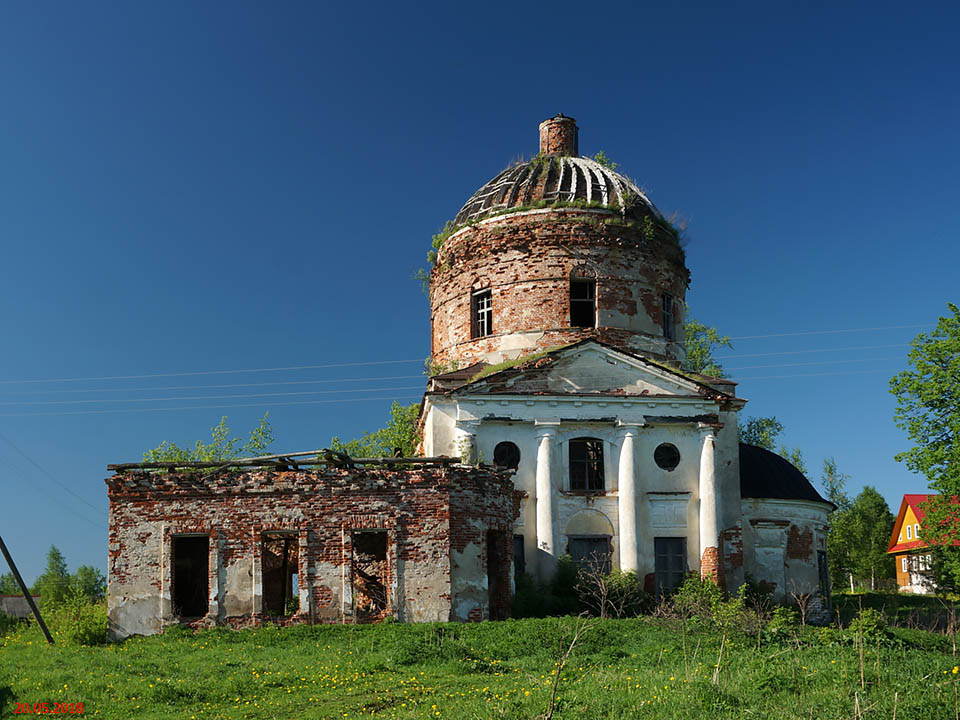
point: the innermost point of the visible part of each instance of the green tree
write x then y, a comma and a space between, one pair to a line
221, 447
53, 585
9, 585
857, 543
400, 433
763, 432
701, 344
833, 481
89, 583
928, 408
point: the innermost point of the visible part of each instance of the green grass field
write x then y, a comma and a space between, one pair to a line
637, 668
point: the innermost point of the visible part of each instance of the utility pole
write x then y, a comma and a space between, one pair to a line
26, 592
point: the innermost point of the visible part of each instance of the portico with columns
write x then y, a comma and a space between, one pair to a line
616, 469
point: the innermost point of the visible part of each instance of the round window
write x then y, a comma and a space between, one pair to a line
507, 455
667, 456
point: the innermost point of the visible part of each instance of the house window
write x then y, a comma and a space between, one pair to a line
909, 532
191, 564
586, 464
590, 552
583, 302
903, 564
667, 315
916, 530
670, 562
506, 455
481, 310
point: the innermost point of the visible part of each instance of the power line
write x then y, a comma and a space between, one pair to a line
817, 362
211, 397
57, 482
206, 407
829, 332
212, 372
226, 385
778, 377
806, 352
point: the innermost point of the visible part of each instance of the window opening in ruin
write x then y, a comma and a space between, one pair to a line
498, 575
667, 316
823, 571
519, 559
590, 551
666, 456
191, 564
280, 565
507, 455
481, 310
586, 464
670, 563
583, 303
370, 574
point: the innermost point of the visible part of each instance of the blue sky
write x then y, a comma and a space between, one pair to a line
189, 190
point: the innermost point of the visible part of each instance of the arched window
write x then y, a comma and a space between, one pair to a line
583, 298
506, 454
586, 464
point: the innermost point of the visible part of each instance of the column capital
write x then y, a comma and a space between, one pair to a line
628, 427
546, 426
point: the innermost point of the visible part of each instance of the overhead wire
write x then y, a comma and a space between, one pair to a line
66, 488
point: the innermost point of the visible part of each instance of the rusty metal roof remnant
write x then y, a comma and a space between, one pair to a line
556, 179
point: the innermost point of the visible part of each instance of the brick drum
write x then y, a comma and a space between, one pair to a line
527, 260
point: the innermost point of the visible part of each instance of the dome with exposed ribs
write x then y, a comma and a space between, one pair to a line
556, 180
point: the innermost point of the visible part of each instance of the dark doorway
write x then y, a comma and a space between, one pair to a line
370, 574
590, 551
519, 558
279, 565
498, 575
670, 563
191, 565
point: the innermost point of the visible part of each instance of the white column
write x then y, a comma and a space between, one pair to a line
627, 506
546, 435
709, 533
465, 433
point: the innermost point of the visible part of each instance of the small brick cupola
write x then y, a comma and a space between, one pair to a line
559, 135
552, 251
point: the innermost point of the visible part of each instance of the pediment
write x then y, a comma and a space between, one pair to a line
589, 368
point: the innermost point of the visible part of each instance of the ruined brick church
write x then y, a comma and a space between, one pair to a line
559, 422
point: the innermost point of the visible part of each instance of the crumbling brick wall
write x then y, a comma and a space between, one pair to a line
527, 259
428, 515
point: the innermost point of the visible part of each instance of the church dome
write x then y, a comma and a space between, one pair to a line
556, 180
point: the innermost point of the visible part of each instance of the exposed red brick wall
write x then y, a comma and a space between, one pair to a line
799, 543
527, 259
426, 511
559, 135
711, 567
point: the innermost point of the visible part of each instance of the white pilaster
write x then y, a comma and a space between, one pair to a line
627, 499
709, 532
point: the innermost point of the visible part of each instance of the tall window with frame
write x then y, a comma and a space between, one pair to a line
481, 313
586, 465
583, 302
670, 562
666, 304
